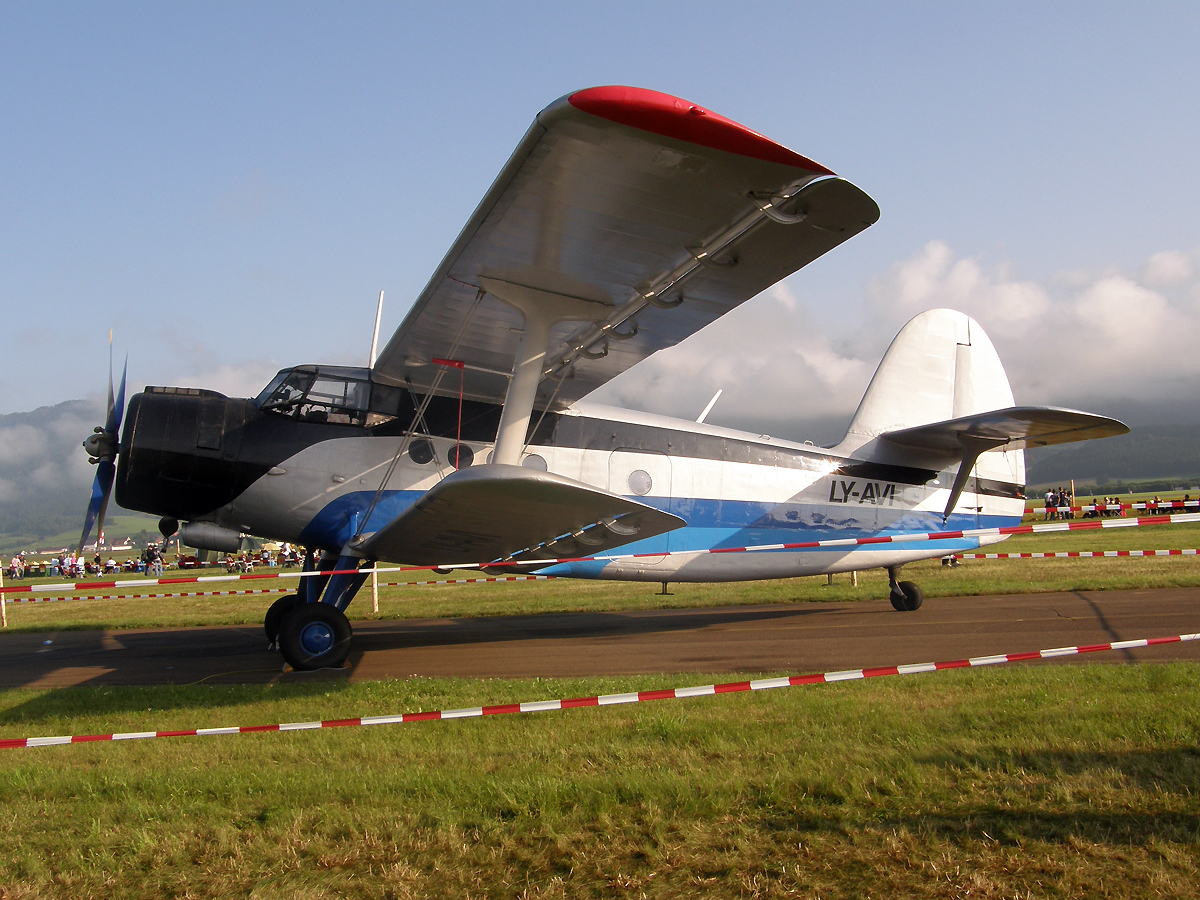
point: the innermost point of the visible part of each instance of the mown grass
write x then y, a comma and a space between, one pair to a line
973, 577
1051, 781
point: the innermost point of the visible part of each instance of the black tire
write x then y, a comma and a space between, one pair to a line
909, 597
315, 636
274, 616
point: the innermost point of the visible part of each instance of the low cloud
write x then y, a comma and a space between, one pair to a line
42, 449
244, 379
20, 444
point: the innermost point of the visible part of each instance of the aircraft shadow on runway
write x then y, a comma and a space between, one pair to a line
402, 633
238, 655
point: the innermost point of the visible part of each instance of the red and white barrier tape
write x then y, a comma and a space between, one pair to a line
1119, 507
606, 699
1061, 554
1077, 554
841, 543
147, 596
276, 590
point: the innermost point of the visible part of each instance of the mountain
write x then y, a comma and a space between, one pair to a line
1147, 453
45, 478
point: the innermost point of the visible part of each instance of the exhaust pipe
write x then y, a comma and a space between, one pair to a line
207, 536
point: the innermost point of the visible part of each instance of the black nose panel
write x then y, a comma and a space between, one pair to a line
180, 452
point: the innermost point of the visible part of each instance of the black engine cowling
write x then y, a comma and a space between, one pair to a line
180, 452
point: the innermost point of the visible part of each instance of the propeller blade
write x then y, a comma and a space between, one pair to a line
101, 490
106, 468
116, 410
108, 413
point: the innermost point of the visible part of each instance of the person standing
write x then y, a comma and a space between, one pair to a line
155, 560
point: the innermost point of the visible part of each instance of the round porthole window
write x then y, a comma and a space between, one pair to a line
640, 482
420, 451
533, 461
460, 456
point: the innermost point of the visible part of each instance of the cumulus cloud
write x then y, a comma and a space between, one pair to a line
1078, 335
1167, 269
1075, 338
935, 277
774, 366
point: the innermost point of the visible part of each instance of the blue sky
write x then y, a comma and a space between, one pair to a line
230, 185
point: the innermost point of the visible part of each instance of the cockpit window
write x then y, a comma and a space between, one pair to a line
315, 394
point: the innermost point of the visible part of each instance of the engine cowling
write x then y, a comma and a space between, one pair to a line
180, 452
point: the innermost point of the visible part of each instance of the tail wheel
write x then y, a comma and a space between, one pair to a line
275, 614
315, 636
907, 597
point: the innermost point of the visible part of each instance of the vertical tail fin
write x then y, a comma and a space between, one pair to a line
941, 366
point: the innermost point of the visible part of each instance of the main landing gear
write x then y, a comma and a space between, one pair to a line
310, 627
905, 595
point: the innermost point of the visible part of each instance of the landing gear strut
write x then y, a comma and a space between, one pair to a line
905, 595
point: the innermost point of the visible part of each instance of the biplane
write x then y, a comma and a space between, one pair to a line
625, 221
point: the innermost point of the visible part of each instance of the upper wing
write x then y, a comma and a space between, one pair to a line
497, 512
628, 200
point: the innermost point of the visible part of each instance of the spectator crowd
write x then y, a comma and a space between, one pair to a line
151, 561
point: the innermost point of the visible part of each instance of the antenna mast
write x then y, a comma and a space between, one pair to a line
375, 333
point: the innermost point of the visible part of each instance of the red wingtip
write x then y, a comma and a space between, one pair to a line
672, 117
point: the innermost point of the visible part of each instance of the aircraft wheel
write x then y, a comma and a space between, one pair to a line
908, 598
275, 614
315, 636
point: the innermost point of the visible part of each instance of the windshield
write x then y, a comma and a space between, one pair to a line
314, 394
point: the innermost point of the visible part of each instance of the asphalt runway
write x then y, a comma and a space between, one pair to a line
794, 638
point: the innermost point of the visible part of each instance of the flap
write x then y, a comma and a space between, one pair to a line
1015, 428
497, 512
620, 201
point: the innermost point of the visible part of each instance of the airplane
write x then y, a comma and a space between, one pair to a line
624, 221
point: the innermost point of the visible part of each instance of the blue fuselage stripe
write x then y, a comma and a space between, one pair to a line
712, 524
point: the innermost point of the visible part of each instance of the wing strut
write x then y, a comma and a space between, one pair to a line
418, 418
541, 310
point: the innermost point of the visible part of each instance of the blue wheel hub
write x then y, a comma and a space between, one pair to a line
316, 638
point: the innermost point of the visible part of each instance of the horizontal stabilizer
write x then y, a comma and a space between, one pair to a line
967, 438
498, 512
1015, 428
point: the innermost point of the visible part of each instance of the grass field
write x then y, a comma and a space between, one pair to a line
117, 528
1027, 781
1065, 781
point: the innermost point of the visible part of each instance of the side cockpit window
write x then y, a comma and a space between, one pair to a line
317, 394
